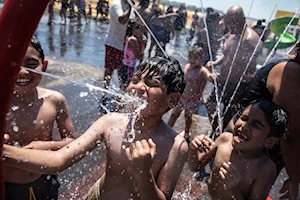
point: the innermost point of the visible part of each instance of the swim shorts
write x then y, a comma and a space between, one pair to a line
46, 188
113, 57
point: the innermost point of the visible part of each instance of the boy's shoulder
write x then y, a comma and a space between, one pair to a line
224, 138
51, 95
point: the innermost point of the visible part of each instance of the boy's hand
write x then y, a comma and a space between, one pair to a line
229, 176
201, 143
140, 155
36, 145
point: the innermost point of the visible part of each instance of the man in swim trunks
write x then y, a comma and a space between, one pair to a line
234, 21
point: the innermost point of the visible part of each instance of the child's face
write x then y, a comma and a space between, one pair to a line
151, 89
26, 80
251, 129
195, 60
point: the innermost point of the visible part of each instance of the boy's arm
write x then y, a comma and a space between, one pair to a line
63, 119
48, 145
169, 173
261, 187
209, 75
201, 151
42, 161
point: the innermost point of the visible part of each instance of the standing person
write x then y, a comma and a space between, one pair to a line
51, 12
81, 11
145, 12
195, 76
179, 24
241, 170
133, 52
170, 23
30, 123
119, 12
194, 27
158, 27
90, 10
234, 21
146, 168
63, 11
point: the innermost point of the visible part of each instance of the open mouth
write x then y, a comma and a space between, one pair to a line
23, 81
240, 137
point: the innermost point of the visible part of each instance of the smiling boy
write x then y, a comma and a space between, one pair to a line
241, 170
147, 168
30, 122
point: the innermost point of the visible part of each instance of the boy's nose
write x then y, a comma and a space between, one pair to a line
23, 71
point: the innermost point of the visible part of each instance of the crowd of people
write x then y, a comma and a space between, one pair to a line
255, 132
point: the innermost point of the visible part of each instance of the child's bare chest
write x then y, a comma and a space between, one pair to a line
29, 123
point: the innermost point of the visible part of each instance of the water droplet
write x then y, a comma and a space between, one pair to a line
15, 129
14, 108
83, 94
41, 122
16, 144
34, 121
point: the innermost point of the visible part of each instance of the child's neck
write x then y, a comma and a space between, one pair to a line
147, 123
248, 154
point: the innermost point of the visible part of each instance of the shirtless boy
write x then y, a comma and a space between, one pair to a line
195, 76
241, 170
234, 21
30, 121
147, 168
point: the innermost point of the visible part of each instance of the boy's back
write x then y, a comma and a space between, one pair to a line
251, 170
33, 120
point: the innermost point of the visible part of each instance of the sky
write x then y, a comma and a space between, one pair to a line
260, 8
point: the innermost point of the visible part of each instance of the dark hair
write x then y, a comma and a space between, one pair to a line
275, 116
168, 68
35, 43
196, 50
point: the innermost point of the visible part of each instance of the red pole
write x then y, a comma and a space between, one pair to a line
18, 21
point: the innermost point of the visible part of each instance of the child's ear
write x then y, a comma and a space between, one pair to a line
173, 99
45, 65
270, 142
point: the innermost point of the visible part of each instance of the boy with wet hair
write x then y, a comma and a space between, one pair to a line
30, 121
241, 170
147, 167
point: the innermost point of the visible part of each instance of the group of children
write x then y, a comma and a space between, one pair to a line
148, 167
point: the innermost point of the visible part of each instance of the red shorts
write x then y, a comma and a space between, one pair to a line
113, 57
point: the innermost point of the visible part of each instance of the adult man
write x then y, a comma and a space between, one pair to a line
234, 21
119, 12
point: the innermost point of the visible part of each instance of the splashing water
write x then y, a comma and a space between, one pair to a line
123, 99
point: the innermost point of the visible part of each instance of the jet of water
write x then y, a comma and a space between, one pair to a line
138, 103
214, 78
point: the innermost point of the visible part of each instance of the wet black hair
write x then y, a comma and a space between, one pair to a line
275, 116
168, 69
35, 43
196, 50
